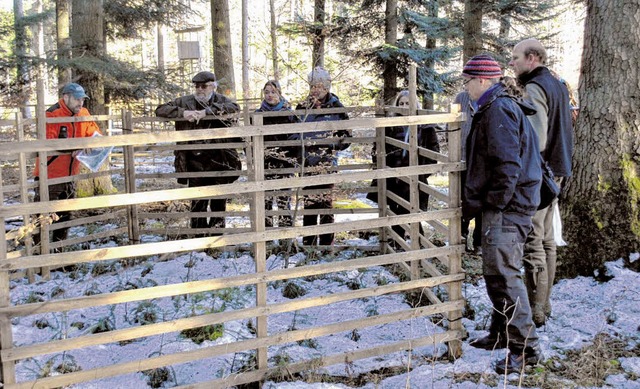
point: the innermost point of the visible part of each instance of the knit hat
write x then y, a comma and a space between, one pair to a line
482, 66
320, 76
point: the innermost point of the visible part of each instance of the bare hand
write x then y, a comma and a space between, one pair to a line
194, 115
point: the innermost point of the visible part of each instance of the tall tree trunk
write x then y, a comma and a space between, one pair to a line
390, 72
430, 46
160, 45
602, 205
63, 41
22, 69
222, 55
274, 39
246, 93
318, 34
472, 40
503, 35
87, 37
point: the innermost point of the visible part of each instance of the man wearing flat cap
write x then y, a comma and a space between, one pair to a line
197, 109
503, 186
65, 165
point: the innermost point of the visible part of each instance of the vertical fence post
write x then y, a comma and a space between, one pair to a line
414, 189
130, 178
6, 337
455, 234
41, 125
255, 165
381, 163
24, 193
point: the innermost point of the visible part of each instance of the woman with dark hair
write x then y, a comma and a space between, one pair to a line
397, 157
277, 157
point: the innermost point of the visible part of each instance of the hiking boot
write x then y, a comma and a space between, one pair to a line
515, 362
489, 342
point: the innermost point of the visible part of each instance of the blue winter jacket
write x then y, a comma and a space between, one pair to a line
503, 158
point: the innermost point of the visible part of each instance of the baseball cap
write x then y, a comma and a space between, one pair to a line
75, 90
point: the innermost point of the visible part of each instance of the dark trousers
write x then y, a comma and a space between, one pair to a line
402, 189
203, 205
62, 191
215, 205
502, 246
318, 201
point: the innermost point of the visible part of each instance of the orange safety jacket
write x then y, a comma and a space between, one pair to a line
65, 164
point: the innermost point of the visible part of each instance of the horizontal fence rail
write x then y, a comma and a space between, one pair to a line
146, 213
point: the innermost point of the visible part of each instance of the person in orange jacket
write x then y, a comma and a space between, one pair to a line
64, 165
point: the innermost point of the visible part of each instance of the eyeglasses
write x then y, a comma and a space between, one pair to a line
202, 86
468, 80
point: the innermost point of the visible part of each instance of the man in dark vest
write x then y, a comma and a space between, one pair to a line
552, 123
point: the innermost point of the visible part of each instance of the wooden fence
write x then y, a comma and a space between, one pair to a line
144, 194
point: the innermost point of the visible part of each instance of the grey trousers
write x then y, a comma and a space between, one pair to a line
502, 246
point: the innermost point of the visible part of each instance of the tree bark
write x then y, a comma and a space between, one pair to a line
22, 68
472, 40
274, 39
222, 54
602, 205
318, 35
246, 92
87, 37
390, 72
432, 8
63, 41
160, 45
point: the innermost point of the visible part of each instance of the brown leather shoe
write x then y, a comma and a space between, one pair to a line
489, 342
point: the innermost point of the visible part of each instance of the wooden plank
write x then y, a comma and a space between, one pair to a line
256, 155
245, 345
24, 195
108, 253
326, 360
455, 238
219, 133
7, 368
264, 310
218, 283
433, 192
130, 180
234, 189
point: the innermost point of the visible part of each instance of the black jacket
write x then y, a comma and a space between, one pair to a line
279, 156
321, 154
205, 159
559, 148
503, 159
397, 157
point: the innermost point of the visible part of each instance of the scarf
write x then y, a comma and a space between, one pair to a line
278, 107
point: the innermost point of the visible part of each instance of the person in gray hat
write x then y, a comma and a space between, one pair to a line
204, 102
320, 97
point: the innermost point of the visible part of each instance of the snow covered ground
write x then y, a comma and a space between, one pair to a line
583, 308
590, 321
